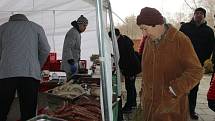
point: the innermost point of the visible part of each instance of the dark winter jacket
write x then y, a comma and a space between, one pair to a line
202, 38
129, 63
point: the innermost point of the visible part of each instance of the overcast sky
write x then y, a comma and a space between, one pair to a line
124, 8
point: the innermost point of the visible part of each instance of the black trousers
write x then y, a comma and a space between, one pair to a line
27, 89
192, 98
131, 91
211, 104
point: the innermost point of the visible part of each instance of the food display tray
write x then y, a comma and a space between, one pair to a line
54, 101
49, 95
44, 117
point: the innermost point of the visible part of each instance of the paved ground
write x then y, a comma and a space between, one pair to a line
202, 106
205, 114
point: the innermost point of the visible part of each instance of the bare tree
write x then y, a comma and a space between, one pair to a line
130, 28
189, 4
184, 15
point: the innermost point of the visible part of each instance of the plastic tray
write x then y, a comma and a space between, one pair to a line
45, 118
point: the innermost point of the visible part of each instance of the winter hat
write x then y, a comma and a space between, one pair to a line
117, 32
150, 16
200, 9
82, 20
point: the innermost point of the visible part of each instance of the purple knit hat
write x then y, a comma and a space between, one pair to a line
150, 16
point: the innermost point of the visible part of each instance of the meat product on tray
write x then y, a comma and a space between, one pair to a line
68, 90
74, 112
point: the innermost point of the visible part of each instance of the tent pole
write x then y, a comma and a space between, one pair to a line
53, 34
115, 49
106, 103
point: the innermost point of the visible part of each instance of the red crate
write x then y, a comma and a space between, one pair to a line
55, 66
52, 64
83, 64
52, 58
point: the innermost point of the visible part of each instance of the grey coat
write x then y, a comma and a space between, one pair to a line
23, 48
71, 48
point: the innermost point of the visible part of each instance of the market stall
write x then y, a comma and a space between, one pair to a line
55, 17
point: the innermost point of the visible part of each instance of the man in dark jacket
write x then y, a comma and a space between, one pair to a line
202, 37
129, 66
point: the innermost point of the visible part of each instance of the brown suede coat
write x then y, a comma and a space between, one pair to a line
172, 59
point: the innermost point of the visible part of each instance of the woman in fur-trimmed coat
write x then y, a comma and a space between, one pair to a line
170, 69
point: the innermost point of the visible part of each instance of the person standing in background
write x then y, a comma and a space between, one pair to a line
141, 47
72, 46
170, 69
23, 51
202, 38
129, 65
211, 90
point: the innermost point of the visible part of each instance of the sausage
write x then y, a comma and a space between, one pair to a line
89, 103
61, 109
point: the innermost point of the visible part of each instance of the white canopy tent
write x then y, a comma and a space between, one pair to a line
56, 16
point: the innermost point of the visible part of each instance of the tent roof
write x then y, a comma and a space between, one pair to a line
12, 5
55, 16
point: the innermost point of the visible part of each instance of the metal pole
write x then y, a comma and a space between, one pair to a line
53, 34
115, 49
100, 33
